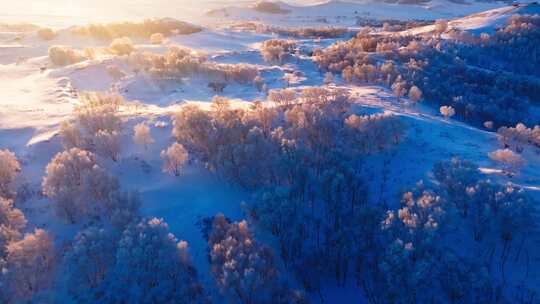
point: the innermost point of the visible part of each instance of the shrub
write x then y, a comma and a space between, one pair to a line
115, 72
157, 38
122, 46
61, 55
46, 34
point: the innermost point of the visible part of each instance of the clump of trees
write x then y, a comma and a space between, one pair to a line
307, 32
12, 221
276, 50
483, 225
245, 270
26, 261
144, 29
299, 157
375, 132
391, 25
269, 7
9, 168
30, 262
79, 186
97, 127
520, 137
143, 262
426, 62
152, 266
181, 62
297, 32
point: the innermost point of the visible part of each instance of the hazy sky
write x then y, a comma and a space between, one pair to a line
68, 12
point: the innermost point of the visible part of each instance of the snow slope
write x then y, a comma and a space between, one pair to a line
345, 13
484, 22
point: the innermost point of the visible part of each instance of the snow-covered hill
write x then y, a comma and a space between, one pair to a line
346, 12
484, 22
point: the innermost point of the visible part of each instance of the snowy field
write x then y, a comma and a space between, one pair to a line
37, 96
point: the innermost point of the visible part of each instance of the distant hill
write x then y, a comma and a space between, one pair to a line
389, 9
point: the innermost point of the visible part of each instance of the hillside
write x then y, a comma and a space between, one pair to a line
301, 158
347, 12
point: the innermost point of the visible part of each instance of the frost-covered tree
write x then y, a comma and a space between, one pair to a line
71, 135
262, 115
441, 26
510, 160
142, 135
447, 111
244, 270
399, 87
455, 177
78, 185
415, 94
328, 78
277, 50
519, 137
9, 168
152, 266
97, 127
283, 97
88, 263
12, 221
193, 125
174, 158
376, 132
29, 265
107, 143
